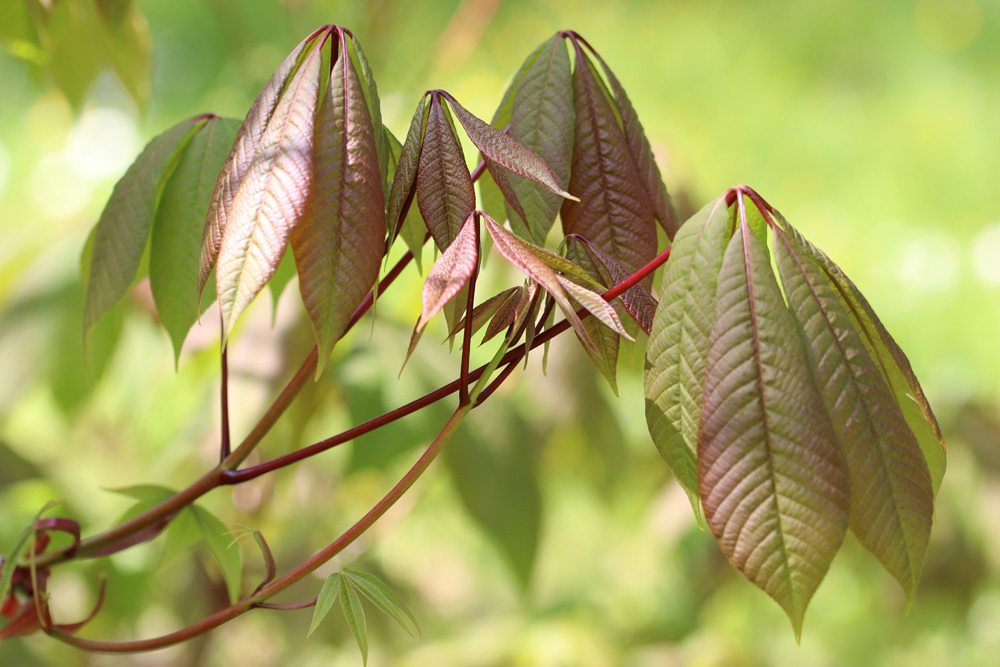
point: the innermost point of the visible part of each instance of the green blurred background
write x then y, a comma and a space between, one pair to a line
550, 533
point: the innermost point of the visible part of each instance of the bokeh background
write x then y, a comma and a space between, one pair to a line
550, 533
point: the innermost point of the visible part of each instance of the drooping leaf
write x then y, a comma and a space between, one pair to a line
637, 300
370, 89
224, 551
770, 473
74, 56
678, 344
642, 154
128, 48
613, 212
271, 199
507, 152
605, 339
175, 248
283, 274
412, 228
338, 244
507, 313
444, 187
405, 173
891, 498
511, 203
894, 366
384, 598
122, 232
350, 604
595, 305
324, 601
245, 149
451, 272
486, 310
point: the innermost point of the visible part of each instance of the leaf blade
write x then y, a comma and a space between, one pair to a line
350, 604
225, 553
384, 598
452, 272
325, 599
445, 193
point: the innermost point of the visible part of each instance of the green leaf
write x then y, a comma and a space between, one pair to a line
606, 340
179, 225
74, 54
613, 212
128, 48
270, 199
771, 476
891, 498
122, 232
370, 90
678, 344
384, 598
452, 272
404, 179
412, 228
338, 244
350, 604
324, 601
444, 187
225, 552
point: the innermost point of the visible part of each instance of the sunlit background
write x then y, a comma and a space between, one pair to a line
550, 533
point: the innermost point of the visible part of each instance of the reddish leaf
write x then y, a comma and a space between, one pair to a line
405, 173
638, 302
451, 272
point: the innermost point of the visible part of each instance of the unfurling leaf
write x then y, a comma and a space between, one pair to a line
338, 243
451, 272
891, 499
678, 344
175, 247
770, 473
444, 187
270, 198
614, 211
384, 598
405, 173
412, 227
122, 232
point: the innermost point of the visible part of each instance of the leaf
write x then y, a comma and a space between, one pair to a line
451, 272
244, 151
271, 197
384, 598
127, 44
642, 154
506, 314
444, 186
613, 212
606, 340
225, 553
412, 228
678, 343
507, 151
595, 305
74, 54
542, 119
338, 244
324, 601
405, 174
122, 232
350, 604
770, 474
516, 251
486, 310
370, 91
175, 248
891, 498
894, 366
637, 300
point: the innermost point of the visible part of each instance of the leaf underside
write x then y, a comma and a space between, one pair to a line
451, 272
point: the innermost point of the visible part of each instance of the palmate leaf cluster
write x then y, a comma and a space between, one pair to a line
773, 392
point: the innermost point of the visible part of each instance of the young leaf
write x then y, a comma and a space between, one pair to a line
507, 151
270, 199
405, 172
444, 186
350, 604
770, 473
370, 90
678, 344
122, 232
245, 149
507, 313
338, 244
324, 601
226, 554
891, 498
384, 598
451, 272
613, 212
412, 228
175, 248
595, 305
486, 310
637, 300
642, 154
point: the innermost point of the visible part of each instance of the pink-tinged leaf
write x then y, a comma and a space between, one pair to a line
613, 212
678, 343
122, 231
894, 366
241, 156
771, 475
642, 154
412, 228
451, 272
506, 314
338, 244
483, 313
405, 172
638, 302
175, 246
595, 305
517, 252
444, 187
606, 340
270, 199
507, 152
891, 499
370, 92
512, 203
